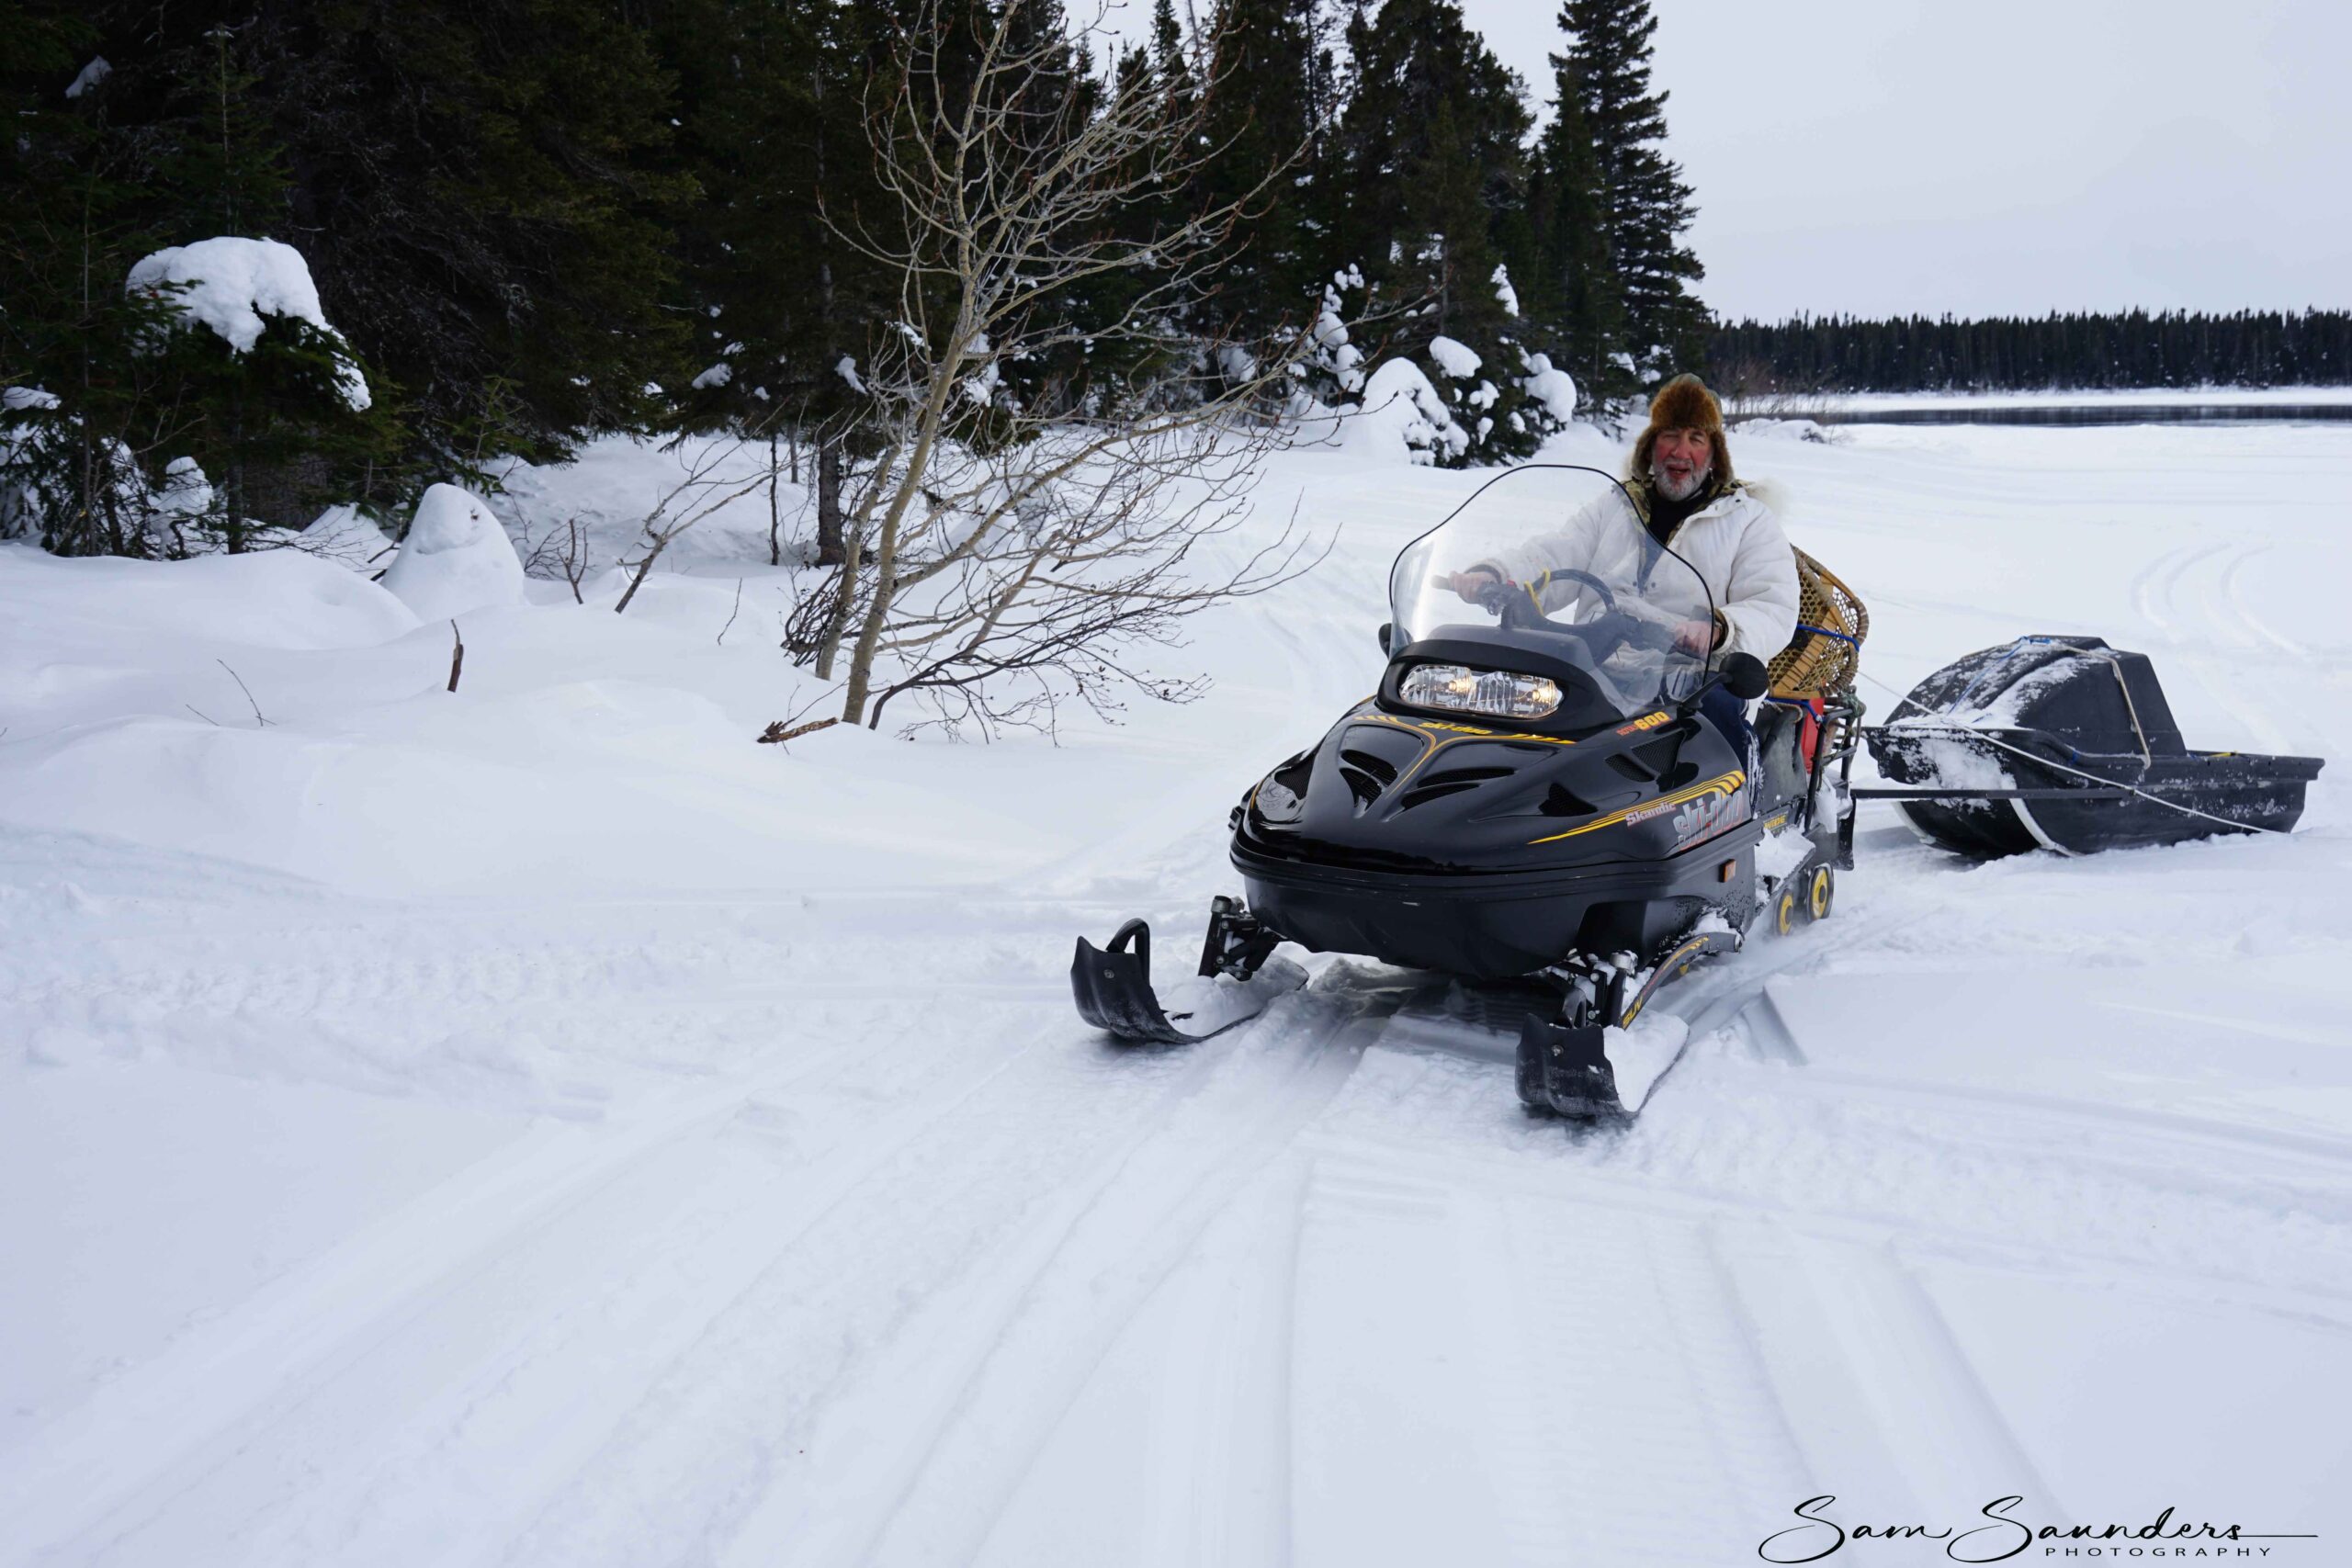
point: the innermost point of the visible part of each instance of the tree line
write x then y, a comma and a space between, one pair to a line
533, 221
2135, 348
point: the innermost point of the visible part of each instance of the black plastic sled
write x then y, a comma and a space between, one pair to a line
2064, 743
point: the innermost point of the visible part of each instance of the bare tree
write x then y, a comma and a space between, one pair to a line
1001, 555
561, 551
706, 486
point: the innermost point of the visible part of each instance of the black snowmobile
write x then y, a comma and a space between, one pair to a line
1532, 792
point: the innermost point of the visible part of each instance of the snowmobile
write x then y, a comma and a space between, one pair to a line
1532, 792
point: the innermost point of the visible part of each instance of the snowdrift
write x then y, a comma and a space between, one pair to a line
456, 558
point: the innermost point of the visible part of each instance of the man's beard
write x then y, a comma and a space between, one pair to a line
1683, 491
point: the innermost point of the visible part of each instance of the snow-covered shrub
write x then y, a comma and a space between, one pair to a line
215, 398
347, 535
1502, 412
1552, 388
1331, 371
55, 469
229, 283
1402, 414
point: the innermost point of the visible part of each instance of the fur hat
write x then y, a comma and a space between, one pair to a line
1684, 404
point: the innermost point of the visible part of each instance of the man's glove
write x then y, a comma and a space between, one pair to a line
1700, 636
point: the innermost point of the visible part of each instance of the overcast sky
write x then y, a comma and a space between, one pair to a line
2000, 156
1993, 157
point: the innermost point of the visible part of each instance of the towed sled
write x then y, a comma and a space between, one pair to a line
1531, 793
2063, 743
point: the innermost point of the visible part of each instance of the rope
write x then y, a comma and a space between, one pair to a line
1902, 701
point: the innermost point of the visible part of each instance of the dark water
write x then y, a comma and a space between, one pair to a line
2100, 413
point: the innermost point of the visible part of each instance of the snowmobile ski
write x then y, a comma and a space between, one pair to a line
1566, 1072
1112, 988
1603, 1072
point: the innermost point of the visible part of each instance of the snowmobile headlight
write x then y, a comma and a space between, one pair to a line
1457, 688
1276, 802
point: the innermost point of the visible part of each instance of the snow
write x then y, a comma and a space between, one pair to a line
536, 1125
1201, 1006
1401, 418
1787, 429
185, 492
1504, 291
1956, 763
344, 533
233, 282
1639, 1056
1555, 389
616, 484
456, 557
1781, 851
1457, 359
718, 375
89, 76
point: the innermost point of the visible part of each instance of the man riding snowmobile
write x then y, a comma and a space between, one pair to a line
1684, 495
1535, 796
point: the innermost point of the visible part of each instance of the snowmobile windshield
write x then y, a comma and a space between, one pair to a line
1555, 565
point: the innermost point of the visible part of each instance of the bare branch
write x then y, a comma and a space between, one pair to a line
1009, 550
259, 722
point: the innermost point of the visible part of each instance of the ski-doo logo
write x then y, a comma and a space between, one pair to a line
1709, 815
1724, 785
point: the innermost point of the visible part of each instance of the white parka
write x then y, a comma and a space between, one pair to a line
1733, 542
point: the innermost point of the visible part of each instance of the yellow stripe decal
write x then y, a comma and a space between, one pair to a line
1683, 955
1725, 783
1431, 743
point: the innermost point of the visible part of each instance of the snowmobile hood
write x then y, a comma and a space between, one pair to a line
1404, 792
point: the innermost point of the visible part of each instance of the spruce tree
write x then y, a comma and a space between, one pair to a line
1264, 121
1429, 157
1646, 206
167, 146
485, 192
772, 133
1573, 289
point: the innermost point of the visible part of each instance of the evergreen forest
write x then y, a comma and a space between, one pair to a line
2136, 348
529, 223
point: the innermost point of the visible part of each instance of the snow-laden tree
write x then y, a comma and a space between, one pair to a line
1430, 156
223, 378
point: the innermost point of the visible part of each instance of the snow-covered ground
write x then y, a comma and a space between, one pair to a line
537, 1126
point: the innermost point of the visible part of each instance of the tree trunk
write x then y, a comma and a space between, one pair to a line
776, 512
829, 551
286, 494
